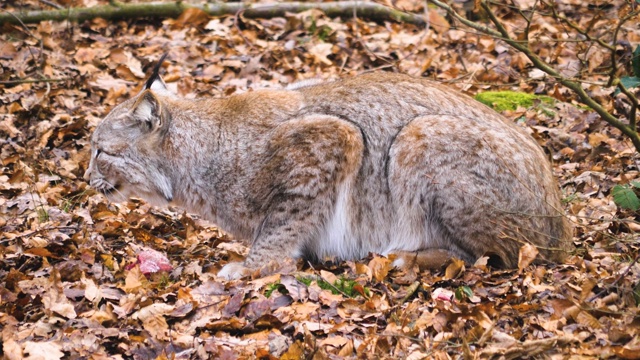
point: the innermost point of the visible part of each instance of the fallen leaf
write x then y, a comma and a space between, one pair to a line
43, 350
526, 256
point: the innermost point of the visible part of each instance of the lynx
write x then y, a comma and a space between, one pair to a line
378, 163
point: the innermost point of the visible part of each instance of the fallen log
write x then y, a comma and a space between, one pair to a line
118, 11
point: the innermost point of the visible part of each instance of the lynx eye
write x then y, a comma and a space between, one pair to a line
100, 151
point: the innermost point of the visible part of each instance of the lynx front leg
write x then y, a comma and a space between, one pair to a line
284, 232
295, 191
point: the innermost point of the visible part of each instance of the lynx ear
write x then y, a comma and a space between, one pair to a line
147, 111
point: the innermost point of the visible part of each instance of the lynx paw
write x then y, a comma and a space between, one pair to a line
233, 271
399, 263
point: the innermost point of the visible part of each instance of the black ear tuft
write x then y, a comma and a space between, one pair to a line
155, 76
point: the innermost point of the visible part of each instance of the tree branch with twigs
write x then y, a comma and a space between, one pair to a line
606, 38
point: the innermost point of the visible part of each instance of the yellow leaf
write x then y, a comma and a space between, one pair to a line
295, 352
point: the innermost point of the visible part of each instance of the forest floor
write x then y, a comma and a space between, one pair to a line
74, 277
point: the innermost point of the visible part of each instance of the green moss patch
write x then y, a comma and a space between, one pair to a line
344, 286
511, 100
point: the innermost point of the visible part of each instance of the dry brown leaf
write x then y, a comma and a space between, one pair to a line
362, 269
454, 269
631, 350
295, 352
586, 319
329, 277
43, 350
134, 280
320, 52
438, 22
11, 349
39, 252
153, 320
191, 17
380, 267
526, 256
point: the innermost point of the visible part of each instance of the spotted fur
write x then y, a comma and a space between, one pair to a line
381, 163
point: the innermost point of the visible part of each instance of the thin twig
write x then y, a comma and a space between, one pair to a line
24, 26
528, 19
236, 17
410, 291
30, 81
618, 279
412, 52
496, 22
31, 233
52, 4
578, 29
359, 37
634, 104
614, 40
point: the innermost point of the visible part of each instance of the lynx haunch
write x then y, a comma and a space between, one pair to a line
382, 162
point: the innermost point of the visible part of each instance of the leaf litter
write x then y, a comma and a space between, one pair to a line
82, 277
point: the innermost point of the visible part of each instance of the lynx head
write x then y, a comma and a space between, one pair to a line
126, 147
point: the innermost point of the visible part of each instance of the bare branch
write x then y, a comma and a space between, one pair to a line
634, 104
614, 41
578, 29
495, 21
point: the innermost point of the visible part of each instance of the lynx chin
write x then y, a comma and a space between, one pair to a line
382, 162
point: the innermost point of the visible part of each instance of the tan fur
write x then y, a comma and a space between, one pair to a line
378, 163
